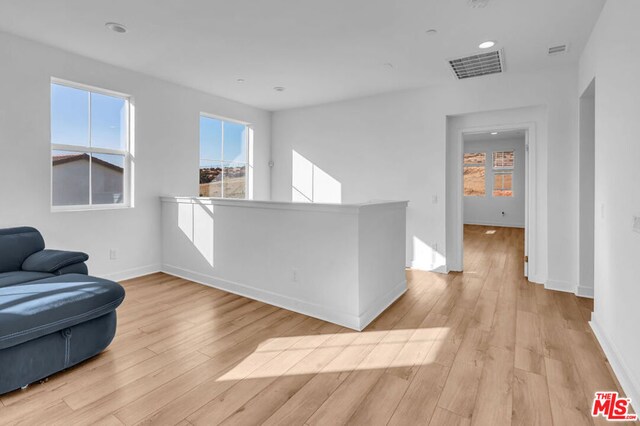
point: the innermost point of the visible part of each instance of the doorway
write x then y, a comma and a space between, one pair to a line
457, 130
495, 187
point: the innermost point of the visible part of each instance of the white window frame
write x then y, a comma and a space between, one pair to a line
503, 167
247, 163
127, 153
502, 170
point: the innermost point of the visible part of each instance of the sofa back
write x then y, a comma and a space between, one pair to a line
16, 244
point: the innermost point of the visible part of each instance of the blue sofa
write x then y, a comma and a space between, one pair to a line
52, 314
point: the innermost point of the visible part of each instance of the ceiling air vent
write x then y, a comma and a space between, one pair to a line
478, 65
558, 50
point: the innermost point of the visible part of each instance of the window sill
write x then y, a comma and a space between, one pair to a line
59, 209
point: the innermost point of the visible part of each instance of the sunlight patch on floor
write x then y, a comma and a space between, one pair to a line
331, 353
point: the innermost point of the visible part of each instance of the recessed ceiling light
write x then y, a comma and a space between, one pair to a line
240, 80
494, 133
432, 32
279, 89
487, 44
115, 27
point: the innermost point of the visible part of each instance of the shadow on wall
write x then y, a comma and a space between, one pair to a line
311, 184
197, 223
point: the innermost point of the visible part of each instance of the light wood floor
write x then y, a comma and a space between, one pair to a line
485, 347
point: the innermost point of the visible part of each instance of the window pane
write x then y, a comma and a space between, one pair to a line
235, 180
503, 160
69, 116
210, 139
107, 179
474, 181
475, 158
503, 185
70, 178
108, 122
235, 142
210, 179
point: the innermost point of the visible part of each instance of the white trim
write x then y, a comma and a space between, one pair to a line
497, 225
89, 88
559, 285
313, 310
127, 176
630, 384
92, 207
286, 205
455, 254
128, 274
429, 267
222, 118
381, 304
583, 291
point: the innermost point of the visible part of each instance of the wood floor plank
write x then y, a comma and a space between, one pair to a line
494, 401
485, 347
531, 404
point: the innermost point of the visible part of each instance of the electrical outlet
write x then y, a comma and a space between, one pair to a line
434, 199
113, 254
636, 223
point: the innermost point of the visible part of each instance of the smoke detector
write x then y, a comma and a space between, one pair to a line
560, 49
478, 3
478, 65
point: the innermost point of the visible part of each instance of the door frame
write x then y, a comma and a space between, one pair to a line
530, 246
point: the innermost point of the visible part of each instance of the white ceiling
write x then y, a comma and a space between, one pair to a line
321, 51
501, 136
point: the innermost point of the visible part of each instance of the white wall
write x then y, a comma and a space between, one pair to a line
587, 191
612, 56
393, 146
339, 263
167, 153
487, 210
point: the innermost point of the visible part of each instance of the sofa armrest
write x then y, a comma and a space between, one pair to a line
53, 260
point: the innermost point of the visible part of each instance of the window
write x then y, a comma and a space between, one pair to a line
474, 174
224, 159
503, 164
90, 157
503, 160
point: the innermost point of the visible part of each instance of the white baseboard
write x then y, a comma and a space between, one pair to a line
535, 279
497, 224
583, 291
558, 285
344, 319
630, 384
380, 305
128, 274
441, 269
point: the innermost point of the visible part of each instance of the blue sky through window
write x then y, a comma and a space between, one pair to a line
211, 140
70, 119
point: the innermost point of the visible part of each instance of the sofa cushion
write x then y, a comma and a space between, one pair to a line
53, 260
16, 244
33, 309
17, 277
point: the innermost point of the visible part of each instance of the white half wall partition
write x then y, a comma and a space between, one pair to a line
337, 262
